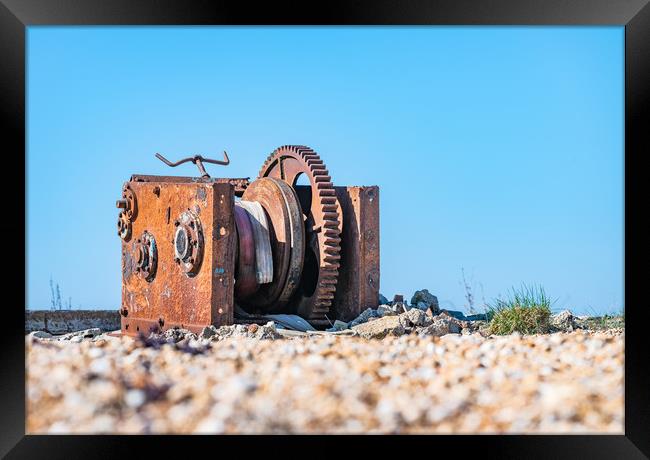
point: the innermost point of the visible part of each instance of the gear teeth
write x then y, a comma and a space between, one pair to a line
333, 267
329, 245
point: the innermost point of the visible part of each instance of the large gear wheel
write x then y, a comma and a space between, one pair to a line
323, 225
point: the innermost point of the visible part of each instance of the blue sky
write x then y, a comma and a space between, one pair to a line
496, 149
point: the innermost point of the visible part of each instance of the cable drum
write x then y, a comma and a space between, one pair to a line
276, 201
260, 226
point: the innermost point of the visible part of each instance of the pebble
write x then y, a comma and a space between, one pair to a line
135, 398
558, 383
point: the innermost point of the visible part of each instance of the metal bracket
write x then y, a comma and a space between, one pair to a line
198, 161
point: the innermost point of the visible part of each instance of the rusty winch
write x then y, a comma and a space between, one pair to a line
196, 249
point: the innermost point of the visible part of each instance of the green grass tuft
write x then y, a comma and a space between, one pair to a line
526, 310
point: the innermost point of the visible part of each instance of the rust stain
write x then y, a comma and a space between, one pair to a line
172, 294
358, 284
184, 247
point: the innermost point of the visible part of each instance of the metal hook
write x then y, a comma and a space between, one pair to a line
198, 161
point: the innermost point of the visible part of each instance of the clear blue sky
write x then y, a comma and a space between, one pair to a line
496, 149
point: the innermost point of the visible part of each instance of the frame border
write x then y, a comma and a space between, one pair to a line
17, 15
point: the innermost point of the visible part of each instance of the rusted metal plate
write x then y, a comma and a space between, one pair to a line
174, 297
240, 183
358, 282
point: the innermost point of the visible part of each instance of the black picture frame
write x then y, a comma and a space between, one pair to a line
16, 15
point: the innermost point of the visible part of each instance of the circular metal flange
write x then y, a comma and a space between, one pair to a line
129, 206
188, 242
245, 277
323, 222
146, 256
287, 241
124, 226
131, 202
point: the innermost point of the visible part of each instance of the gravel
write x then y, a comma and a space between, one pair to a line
250, 380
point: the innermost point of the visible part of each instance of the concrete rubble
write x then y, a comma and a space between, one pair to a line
563, 321
425, 321
64, 321
380, 328
425, 300
75, 337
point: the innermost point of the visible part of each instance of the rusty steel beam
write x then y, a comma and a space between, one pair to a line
358, 284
